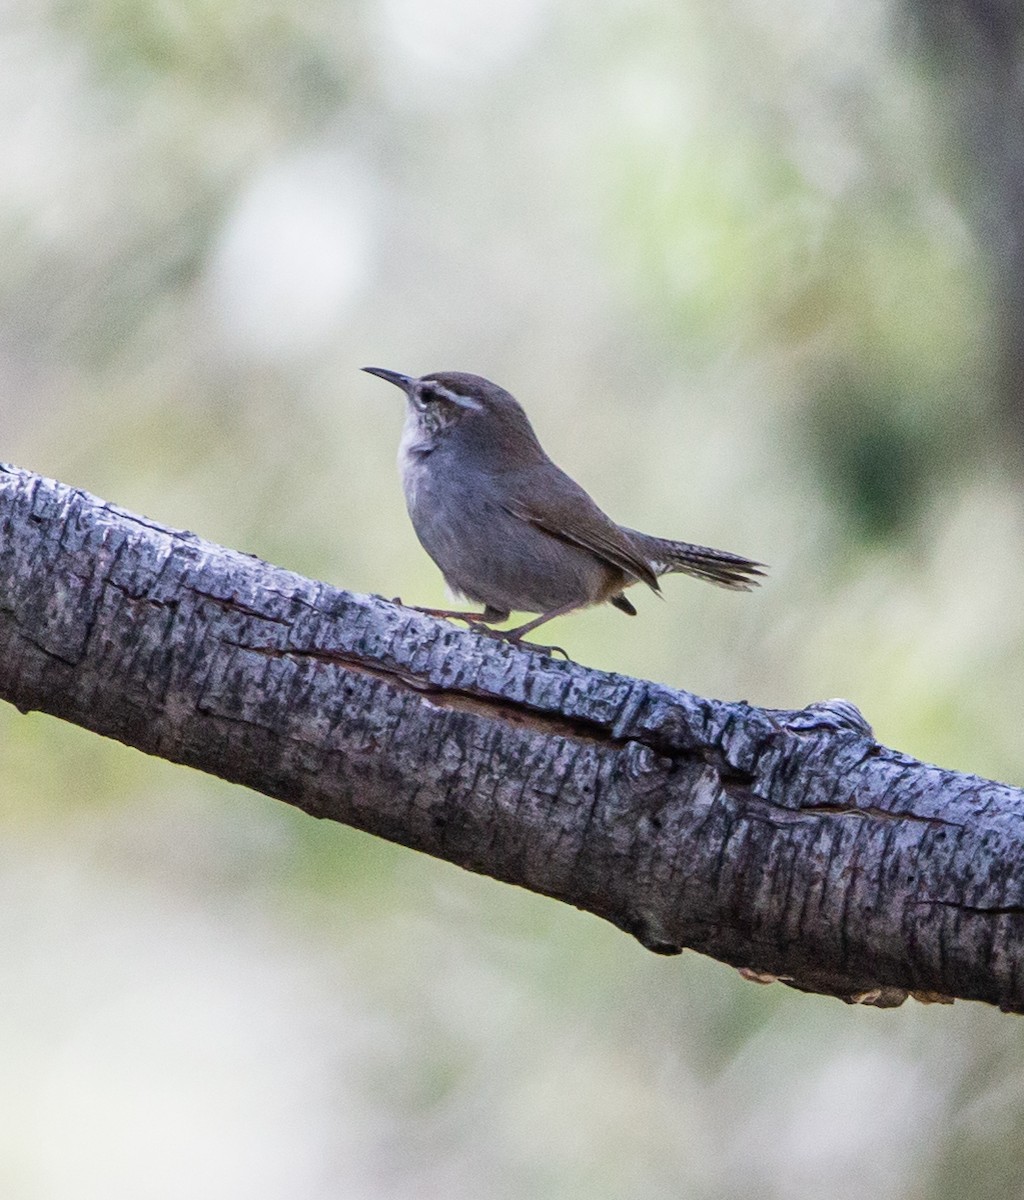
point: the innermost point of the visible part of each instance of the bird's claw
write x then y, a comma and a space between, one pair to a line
510, 639
477, 622
549, 650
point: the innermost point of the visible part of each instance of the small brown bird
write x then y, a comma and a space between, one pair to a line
509, 529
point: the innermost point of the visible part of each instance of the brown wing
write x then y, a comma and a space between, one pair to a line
547, 498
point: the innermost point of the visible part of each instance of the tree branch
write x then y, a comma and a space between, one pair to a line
790, 845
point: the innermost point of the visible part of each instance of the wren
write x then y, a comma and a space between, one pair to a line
509, 529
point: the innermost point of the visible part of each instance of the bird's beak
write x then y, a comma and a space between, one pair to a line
396, 377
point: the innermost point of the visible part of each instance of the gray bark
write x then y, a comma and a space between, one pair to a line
791, 845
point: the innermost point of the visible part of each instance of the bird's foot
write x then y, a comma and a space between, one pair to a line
515, 636
510, 636
551, 651
481, 623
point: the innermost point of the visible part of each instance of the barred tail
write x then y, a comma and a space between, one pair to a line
716, 566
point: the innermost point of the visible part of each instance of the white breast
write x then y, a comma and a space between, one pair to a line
411, 459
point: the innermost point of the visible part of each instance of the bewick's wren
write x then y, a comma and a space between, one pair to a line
508, 528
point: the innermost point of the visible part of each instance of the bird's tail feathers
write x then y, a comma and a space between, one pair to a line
716, 566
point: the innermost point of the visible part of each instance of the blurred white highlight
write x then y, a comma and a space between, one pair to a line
292, 258
459, 37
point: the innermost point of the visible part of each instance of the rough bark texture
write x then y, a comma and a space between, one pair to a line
791, 845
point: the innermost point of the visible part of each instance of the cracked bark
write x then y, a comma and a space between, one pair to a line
789, 844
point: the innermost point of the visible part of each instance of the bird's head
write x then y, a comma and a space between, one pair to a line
489, 421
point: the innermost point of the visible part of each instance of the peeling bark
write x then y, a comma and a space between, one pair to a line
789, 844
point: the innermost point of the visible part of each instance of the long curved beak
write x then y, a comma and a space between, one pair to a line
395, 377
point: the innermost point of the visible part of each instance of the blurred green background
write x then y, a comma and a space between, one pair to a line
752, 269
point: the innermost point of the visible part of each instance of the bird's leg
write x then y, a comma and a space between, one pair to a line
449, 614
494, 616
516, 635
488, 617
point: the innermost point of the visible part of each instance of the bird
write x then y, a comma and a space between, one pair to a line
509, 529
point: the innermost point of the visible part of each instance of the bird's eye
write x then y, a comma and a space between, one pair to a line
425, 396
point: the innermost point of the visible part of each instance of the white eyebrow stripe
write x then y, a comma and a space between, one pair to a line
454, 397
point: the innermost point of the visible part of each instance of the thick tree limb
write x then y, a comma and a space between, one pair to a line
791, 845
